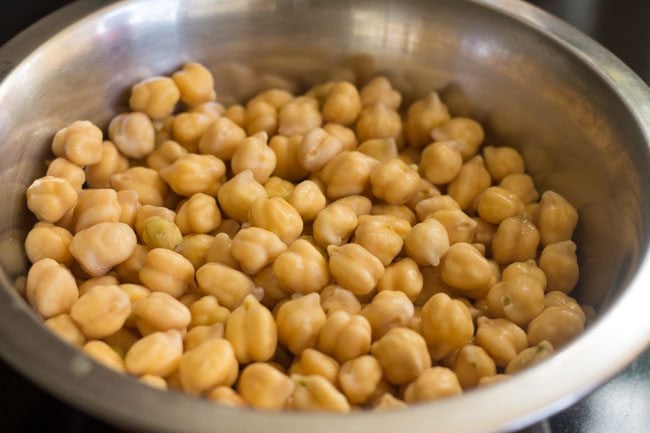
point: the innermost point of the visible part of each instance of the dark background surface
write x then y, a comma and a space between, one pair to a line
621, 406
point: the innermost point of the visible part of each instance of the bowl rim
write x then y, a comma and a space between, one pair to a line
70, 375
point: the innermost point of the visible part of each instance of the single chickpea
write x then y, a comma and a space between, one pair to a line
226, 396
129, 206
65, 328
238, 194
345, 135
149, 185
425, 191
529, 357
348, 174
403, 355
519, 299
276, 187
229, 227
102, 246
558, 299
388, 402
252, 332
312, 361
213, 110
500, 338
63, 168
228, 285
80, 143
464, 268
379, 89
146, 213
158, 232
105, 355
167, 271
261, 117
236, 113
434, 383
528, 269
302, 268
560, 265
429, 206
299, 322
106, 280
379, 121
264, 387
158, 353
195, 84
101, 311
47, 241
522, 186
274, 292
307, 199
188, 128
557, 325
377, 235
206, 311
299, 116
287, 164
165, 155
345, 336
472, 363
219, 251
471, 181
503, 161
492, 379
446, 325
254, 248
515, 240
202, 333
382, 149
193, 174
555, 218
484, 232
394, 181
49, 198
222, 138
427, 242
335, 298
317, 149
315, 393
277, 216
496, 204
255, 155
459, 226
112, 162
95, 206
355, 268
199, 214
155, 382
155, 96
195, 248
359, 378
334, 225
423, 116
163, 312
387, 310
441, 162
403, 276
133, 134
342, 104
464, 130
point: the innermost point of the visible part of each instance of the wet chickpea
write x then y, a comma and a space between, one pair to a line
222, 138
394, 181
441, 162
345, 336
555, 218
424, 191
132, 133
496, 204
387, 310
208, 365
560, 265
471, 364
359, 378
312, 361
522, 186
80, 143
193, 174
255, 155
167, 271
307, 199
348, 174
378, 121
404, 276
402, 354
317, 149
464, 130
63, 168
149, 185
47, 241
519, 299
471, 181
228, 285
528, 269
302, 268
484, 232
278, 216
300, 322
199, 214
155, 96
423, 116
264, 387
315, 393
238, 194
464, 268
529, 357
355, 268
51, 288
382, 149
49, 198
335, 298
254, 248
432, 384
102, 246
500, 338
195, 84
226, 396
515, 240
299, 116
345, 135
378, 236
95, 206
446, 325
195, 248
502, 162
65, 328
557, 325
379, 89
459, 226
427, 242
334, 225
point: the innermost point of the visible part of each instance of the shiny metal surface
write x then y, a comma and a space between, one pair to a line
580, 117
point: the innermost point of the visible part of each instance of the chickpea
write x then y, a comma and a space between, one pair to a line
158, 353
557, 325
492, 379
106, 280
202, 333
307, 199
403, 355
560, 265
254, 248
403, 276
496, 204
342, 104
112, 162
520, 299
299, 322
219, 251
441, 162
334, 225
429, 206
65, 169
378, 236
199, 214
274, 292
515, 240
261, 113
312, 361
133, 134
355, 268
155, 382
105, 355
387, 401
236, 113
167, 271
529, 357
424, 191
47, 241
277, 216
472, 363
387, 310
335, 298
163, 312
264, 387
280, 188
528, 269
222, 138
379, 121
228, 285
427, 242
193, 174
129, 203
302, 269
503, 161
206, 311
359, 378
317, 149
345, 336
151, 188
80, 143
101, 311
346, 136
522, 186
189, 128
464, 268
195, 248
315, 393
484, 232
65, 328
163, 129
460, 227
165, 155
394, 181
379, 89
287, 160
102, 246
49, 198
382, 149
95, 206
195, 84
500, 338
226, 396
432, 384
348, 174
530, 209
555, 218
229, 227
252, 332
471, 181
446, 325
155, 96
299, 116
238, 194
423, 116
464, 130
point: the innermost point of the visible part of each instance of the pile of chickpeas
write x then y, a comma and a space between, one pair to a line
318, 252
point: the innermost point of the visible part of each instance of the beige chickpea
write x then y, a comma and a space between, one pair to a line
206, 311
264, 387
312, 361
472, 363
47, 241
149, 185
503, 161
355, 268
464, 268
226, 396
500, 338
228, 285
555, 218
158, 353
379, 89
557, 325
193, 174
560, 265
61, 167
195, 248
133, 134
299, 322
446, 325
135, 292
167, 271
410, 155
287, 164
155, 96
522, 186
470, 182
153, 381
348, 174
195, 84
382, 149
80, 142
496, 204
302, 269
199, 214
394, 181
222, 139
236, 113
528, 269
519, 299
106, 280
459, 226
317, 148
403, 276
387, 310
335, 298
427, 242
255, 155
276, 187
429, 206
101, 311
378, 121
112, 162
377, 235
424, 191
464, 130
388, 402
434, 383
529, 357
277, 216
274, 292
307, 199
49, 198
299, 116
202, 333
129, 202
403, 355
273, 98
188, 128
65, 328
345, 135
163, 312
165, 155
342, 104
441, 162
219, 251
260, 117
51, 288
345, 336
238, 194
315, 393
102, 246
515, 240
360, 204
105, 355
359, 378
334, 225
254, 248
484, 232
252, 332
95, 206
423, 116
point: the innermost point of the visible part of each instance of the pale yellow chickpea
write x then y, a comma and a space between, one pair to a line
188, 128
276, 187
49, 198
307, 199
149, 185
254, 248
424, 191
423, 116
519, 299
522, 186
80, 142
316, 149
155, 96
163, 312
560, 265
441, 162
165, 155
133, 134
226, 396
515, 240
315, 393
379, 89
555, 218
496, 204
252, 331
342, 104
208, 365
302, 268
335, 298
95, 206
557, 325
334, 225
105, 355
101, 311
213, 110
427, 242
529, 357
488, 380
65, 328
377, 235
387, 310
346, 136
106, 280
277, 216
464, 268
222, 138
112, 162
260, 117
484, 232
153, 381
61, 167
312, 361
195, 248
299, 322
202, 333
528, 269
359, 378
394, 181
382, 149
348, 174
163, 129
129, 202
402, 354
195, 84
470, 182
503, 161
158, 353
471, 364
167, 271
388, 402
255, 155
379, 121
274, 292
345, 336
500, 338
446, 325
361, 205
287, 165
264, 387
199, 214
219, 251
404, 276
429, 206
236, 113
47, 241
102, 246
228, 285
434, 383
206, 311
464, 130
355, 268
193, 174
238, 194
299, 116
459, 226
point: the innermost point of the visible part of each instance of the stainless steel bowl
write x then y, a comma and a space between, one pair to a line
578, 115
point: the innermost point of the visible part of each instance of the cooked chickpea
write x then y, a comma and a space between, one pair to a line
424, 191
312, 361
95, 206
434, 383
193, 174
167, 271
199, 214
105, 355
484, 232
422, 117
195, 84
403, 276
302, 269
379, 89
464, 268
49, 198
345, 135
379, 121
528, 269
382, 149
287, 164
299, 116
377, 235
47, 241
555, 218
65, 328
529, 357
446, 325
403, 355
359, 378
252, 332
496, 204
206, 311
470, 182
102, 246
276, 187
219, 251
464, 130
112, 162
63, 168
307, 199
515, 240
133, 134
557, 325
500, 338
158, 353
226, 396
149, 185
101, 311
503, 161
228, 285
154, 381
129, 206
238, 194
348, 174
335, 298
459, 226
355, 268
317, 149
387, 310
429, 206
106, 280
264, 387
195, 248
342, 104
255, 155
202, 333
345, 336
165, 155
427, 242
260, 116
277, 216
155, 225
299, 322
519, 299
334, 225
51, 288
560, 265
163, 312
441, 162
254, 248
471, 364
163, 129
236, 113
80, 142
155, 96
394, 181
315, 393
522, 186
388, 402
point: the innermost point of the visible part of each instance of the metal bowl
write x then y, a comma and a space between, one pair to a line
579, 116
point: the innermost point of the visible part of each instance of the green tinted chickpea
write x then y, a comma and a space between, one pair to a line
302, 269
471, 181
471, 364
459, 226
500, 338
555, 218
464, 130
427, 242
238, 194
382, 149
80, 143
394, 181
402, 354
496, 204
503, 161
387, 310
446, 325
434, 383
441, 162
529, 357
422, 117
348, 173
355, 268
378, 121
515, 240
299, 322
158, 232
